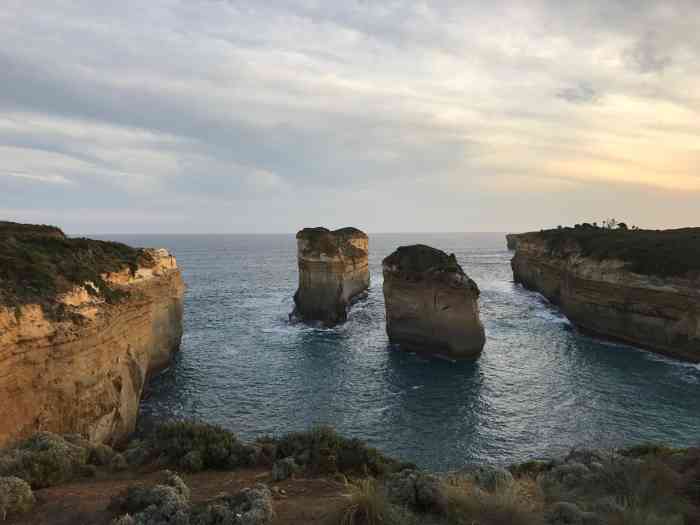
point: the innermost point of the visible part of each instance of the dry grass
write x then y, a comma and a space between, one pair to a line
368, 505
519, 504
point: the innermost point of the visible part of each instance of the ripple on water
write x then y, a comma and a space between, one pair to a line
540, 387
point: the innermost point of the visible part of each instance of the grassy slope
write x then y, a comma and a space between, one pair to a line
662, 253
39, 262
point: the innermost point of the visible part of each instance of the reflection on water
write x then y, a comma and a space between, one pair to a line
540, 387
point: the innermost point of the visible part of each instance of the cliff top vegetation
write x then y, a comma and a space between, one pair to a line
336, 242
419, 258
38, 262
662, 253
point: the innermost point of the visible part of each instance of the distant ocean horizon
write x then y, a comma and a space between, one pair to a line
539, 388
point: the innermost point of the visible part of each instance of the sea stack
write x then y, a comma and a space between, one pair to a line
83, 324
431, 304
333, 270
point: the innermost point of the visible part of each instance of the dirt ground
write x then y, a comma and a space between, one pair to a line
303, 501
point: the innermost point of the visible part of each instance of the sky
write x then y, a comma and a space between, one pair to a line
226, 116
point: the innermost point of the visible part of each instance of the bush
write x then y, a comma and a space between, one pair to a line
251, 506
639, 486
16, 497
45, 459
171, 492
192, 446
322, 450
368, 505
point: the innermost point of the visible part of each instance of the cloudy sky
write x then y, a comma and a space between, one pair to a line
266, 116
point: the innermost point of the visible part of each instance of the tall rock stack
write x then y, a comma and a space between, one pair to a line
431, 304
333, 270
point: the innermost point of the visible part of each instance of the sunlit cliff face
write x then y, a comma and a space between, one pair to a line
255, 117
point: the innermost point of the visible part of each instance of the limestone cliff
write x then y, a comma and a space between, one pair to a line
82, 325
431, 304
640, 287
512, 241
333, 270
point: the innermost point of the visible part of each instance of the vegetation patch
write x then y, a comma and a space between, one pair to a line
39, 262
195, 446
16, 497
662, 253
368, 505
322, 450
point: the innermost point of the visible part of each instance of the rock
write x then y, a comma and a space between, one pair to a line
417, 490
565, 513
333, 270
488, 477
431, 304
16, 497
512, 241
284, 469
83, 371
638, 287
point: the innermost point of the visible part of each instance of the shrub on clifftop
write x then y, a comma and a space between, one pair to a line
44, 460
322, 450
196, 446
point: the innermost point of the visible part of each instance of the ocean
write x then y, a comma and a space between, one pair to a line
539, 388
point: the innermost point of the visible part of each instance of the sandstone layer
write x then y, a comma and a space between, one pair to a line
512, 241
431, 304
635, 287
77, 361
333, 271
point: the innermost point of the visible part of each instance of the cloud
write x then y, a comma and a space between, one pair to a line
582, 93
191, 106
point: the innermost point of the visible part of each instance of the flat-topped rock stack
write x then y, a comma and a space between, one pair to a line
431, 304
333, 270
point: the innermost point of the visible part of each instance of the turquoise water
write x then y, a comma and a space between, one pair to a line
539, 388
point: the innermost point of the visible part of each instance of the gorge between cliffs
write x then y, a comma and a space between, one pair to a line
243, 365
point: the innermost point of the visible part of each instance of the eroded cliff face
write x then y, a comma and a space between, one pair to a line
431, 305
333, 271
605, 298
84, 372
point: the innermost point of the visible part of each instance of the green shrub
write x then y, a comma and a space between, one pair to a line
16, 497
323, 450
43, 460
197, 446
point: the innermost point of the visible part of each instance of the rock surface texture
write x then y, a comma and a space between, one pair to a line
76, 361
637, 287
333, 270
431, 304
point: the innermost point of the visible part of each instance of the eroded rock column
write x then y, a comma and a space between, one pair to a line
333, 270
431, 304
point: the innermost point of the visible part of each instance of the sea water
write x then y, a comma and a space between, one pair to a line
539, 388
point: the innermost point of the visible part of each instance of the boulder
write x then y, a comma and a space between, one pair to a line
333, 270
431, 304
